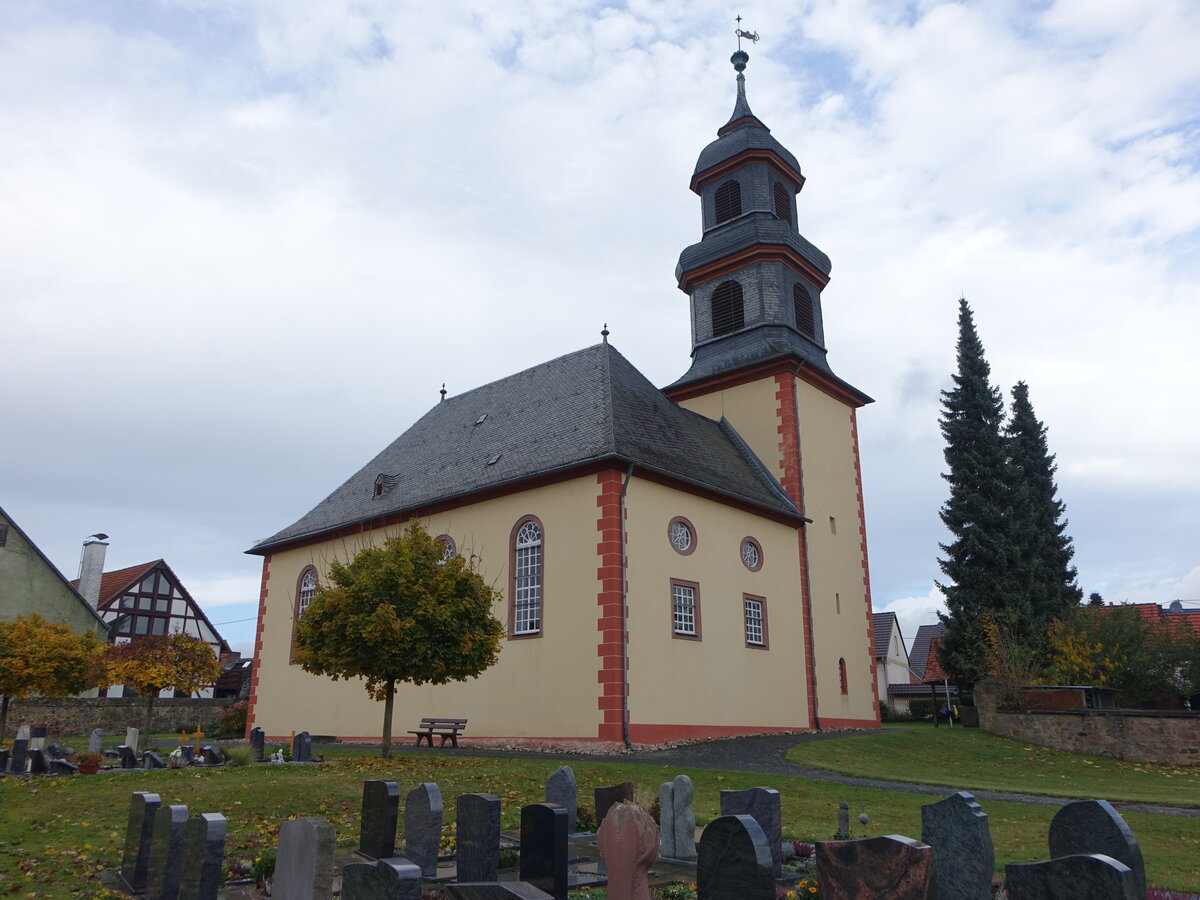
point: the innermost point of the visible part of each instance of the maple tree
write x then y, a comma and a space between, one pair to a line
401, 612
158, 663
46, 659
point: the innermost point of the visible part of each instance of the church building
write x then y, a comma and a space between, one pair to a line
678, 562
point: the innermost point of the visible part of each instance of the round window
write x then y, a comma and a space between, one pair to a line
682, 535
752, 555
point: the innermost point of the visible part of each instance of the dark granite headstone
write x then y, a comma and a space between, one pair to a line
1093, 826
62, 767
213, 756
37, 731
764, 805
139, 831
607, 796
151, 760
166, 853
377, 825
488, 891
384, 879
94, 740
258, 739
734, 861
304, 864
963, 856
543, 855
53, 751
302, 747
562, 789
187, 753
1084, 876
128, 757
477, 837
203, 855
18, 761
892, 867
5, 756
423, 827
37, 763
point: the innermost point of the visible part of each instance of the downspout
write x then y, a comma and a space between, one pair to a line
625, 619
808, 627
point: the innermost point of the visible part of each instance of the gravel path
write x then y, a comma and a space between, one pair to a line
767, 754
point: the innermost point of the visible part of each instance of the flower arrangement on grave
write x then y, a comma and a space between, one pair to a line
176, 760
89, 763
263, 871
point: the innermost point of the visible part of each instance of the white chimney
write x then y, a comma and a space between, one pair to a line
91, 568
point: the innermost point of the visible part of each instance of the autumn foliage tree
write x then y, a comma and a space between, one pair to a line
45, 659
152, 664
402, 612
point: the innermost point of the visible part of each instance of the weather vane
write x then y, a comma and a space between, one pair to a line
751, 36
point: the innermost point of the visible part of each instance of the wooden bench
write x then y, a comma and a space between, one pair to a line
446, 729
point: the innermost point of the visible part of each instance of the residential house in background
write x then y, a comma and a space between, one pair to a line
891, 656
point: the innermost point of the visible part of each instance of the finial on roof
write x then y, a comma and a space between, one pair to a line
604, 333
741, 110
443, 392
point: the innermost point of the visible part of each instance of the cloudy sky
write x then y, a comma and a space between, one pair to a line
242, 244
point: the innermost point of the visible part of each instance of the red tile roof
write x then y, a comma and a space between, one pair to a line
933, 665
1157, 619
113, 583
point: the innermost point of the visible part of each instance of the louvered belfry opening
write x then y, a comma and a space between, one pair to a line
783, 203
805, 321
728, 310
729, 201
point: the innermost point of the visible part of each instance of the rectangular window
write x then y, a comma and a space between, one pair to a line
755, 611
685, 609
158, 626
528, 619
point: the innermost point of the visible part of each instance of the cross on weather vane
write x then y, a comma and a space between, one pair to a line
751, 36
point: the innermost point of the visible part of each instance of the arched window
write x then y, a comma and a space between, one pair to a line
803, 305
783, 202
729, 201
525, 604
306, 590
728, 312
842, 675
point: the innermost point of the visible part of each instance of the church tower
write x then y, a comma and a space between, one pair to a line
759, 361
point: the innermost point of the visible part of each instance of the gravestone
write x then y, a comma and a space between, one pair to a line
843, 828
678, 817
151, 760
377, 823
131, 738
302, 747
187, 753
166, 853
734, 861
887, 868
258, 740
543, 854
24, 733
963, 857
606, 797
1082, 875
213, 756
477, 837
628, 843
1093, 826
62, 767
139, 831
5, 756
37, 762
562, 790
53, 751
763, 804
506, 891
304, 863
94, 740
18, 761
203, 855
423, 827
390, 879
37, 737
128, 757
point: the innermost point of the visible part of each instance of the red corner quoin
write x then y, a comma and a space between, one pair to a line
608, 627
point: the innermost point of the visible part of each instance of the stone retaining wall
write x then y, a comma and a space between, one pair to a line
79, 715
1156, 736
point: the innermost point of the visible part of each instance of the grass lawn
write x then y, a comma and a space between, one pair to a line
972, 759
56, 835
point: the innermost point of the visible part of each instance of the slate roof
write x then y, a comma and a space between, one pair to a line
918, 655
749, 230
586, 407
882, 624
751, 135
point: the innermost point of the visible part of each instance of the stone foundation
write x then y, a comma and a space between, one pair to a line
74, 716
1157, 736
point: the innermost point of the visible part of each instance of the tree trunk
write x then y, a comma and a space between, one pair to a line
149, 713
388, 697
3, 716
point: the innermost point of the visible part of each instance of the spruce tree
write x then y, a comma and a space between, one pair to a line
984, 514
1047, 549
